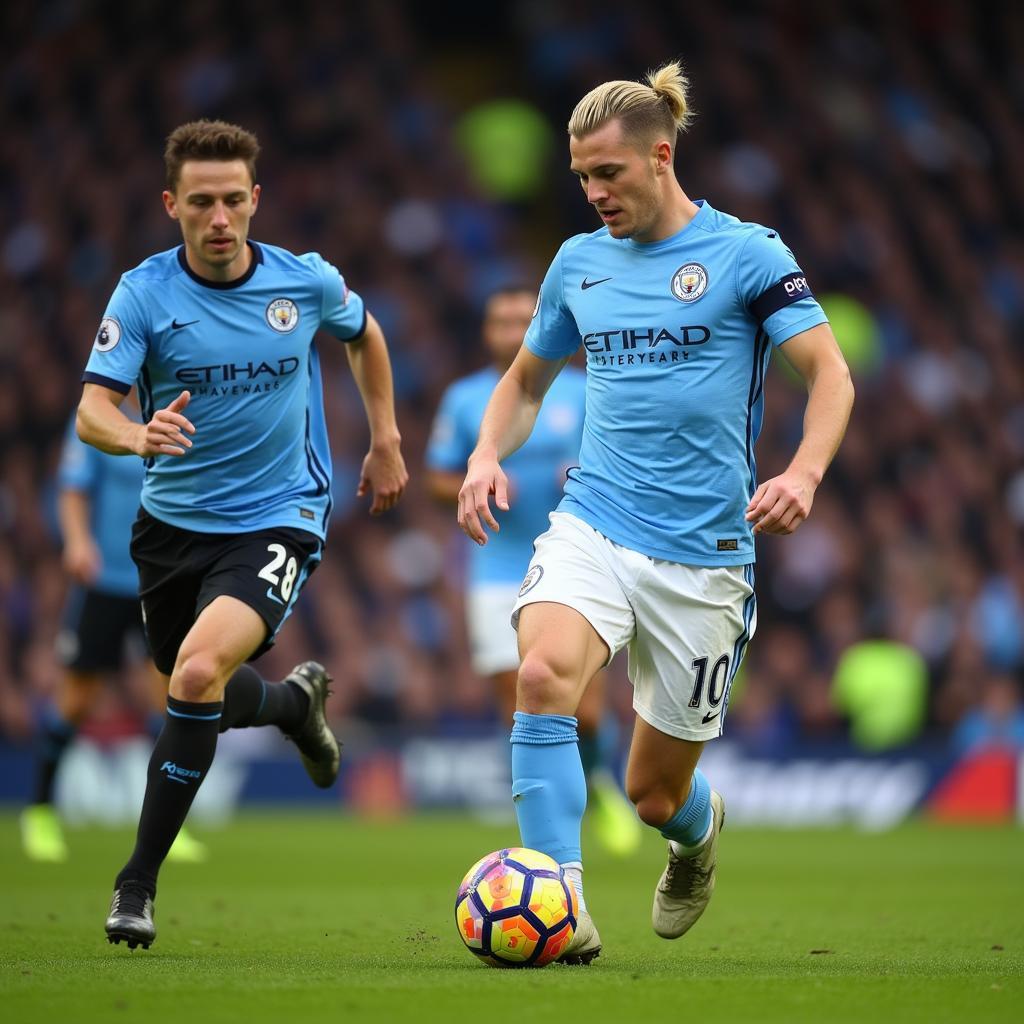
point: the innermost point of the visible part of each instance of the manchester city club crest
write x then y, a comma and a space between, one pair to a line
689, 282
283, 315
532, 579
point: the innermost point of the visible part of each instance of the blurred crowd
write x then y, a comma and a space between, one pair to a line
882, 140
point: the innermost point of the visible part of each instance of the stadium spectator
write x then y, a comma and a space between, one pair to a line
896, 128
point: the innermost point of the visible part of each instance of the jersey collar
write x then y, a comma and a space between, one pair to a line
257, 258
702, 214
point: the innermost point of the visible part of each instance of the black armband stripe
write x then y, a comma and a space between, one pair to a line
360, 332
790, 289
106, 382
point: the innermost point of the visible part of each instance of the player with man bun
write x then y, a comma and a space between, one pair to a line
678, 307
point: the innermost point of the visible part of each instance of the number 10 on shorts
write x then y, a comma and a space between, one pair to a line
716, 684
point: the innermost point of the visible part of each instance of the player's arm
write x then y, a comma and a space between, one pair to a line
101, 423
508, 421
444, 486
781, 504
81, 556
383, 473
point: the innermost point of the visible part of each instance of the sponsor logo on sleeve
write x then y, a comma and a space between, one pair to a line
796, 285
108, 335
785, 292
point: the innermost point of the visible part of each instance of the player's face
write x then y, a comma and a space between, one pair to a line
214, 202
620, 181
506, 318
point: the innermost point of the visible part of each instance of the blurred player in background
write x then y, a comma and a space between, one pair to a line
535, 473
679, 308
236, 496
98, 497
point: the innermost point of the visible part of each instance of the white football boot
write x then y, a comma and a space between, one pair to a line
585, 945
685, 887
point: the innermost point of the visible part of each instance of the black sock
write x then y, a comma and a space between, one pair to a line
590, 752
181, 758
53, 740
250, 700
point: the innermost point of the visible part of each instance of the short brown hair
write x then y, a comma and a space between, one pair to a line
209, 140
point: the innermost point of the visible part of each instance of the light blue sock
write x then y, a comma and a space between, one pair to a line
690, 824
548, 786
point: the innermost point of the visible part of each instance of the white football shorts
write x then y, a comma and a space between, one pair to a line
493, 645
686, 626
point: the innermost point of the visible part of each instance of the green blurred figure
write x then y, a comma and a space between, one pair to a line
882, 686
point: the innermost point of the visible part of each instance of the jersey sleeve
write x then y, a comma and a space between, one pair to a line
553, 332
78, 469
121, 344
342, 311
451, 439
774, 289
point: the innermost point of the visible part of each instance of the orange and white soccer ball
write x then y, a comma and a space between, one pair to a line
516, 908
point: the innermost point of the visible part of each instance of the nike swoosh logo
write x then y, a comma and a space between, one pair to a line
707, 718
274, 597
175, 326
590, 284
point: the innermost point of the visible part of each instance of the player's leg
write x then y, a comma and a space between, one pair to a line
693, 625
182, 571
226, 579
610, 815
41, 834
284, 558
495, 654
572, 615
672, 795
222, 637
561, 652
186, 848
89, 646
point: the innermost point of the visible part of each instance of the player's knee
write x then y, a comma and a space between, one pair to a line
197, 677
542, 689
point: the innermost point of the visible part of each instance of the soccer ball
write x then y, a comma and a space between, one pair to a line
515, 908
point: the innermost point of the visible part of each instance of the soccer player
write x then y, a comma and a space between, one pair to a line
679, 307
536, 472
236, 495
96, 504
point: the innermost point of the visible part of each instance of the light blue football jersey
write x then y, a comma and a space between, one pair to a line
111, 484
678, 334
536, 471
260, 456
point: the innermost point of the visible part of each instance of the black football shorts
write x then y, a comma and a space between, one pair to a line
97, 629
182, 571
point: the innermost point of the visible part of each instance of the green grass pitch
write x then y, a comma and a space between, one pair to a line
311, 918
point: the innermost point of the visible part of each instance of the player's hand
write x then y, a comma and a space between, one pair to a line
165, 433
82, 560
384, 475
484, 477
781, 504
